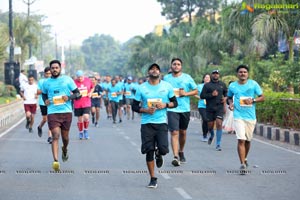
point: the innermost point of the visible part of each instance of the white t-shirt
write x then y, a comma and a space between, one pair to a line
29, 93
23, 79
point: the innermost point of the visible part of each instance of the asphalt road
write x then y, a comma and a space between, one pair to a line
110, 166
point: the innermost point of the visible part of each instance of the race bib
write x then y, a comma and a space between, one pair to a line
95, 94
58, 100
114, 94
84, 93
153, 102
127, 93
242, 101
176, 92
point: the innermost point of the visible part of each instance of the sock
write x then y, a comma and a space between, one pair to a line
86, 124
219, 136
212, 133
80, 126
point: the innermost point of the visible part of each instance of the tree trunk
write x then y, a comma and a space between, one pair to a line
291, 49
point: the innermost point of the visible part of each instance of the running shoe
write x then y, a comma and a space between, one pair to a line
210, 140
56, 166
64, 154
218, 148
204, 139
40, 131
80, 135
49, 140
96, 125
86, 134
159, 159
93, 119
30, 130
120, 121
246, 163
181, 157
175, 161
153, 183
243, 169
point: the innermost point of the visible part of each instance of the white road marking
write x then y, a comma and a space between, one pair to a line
277, 147
133, 143
183, 193
165, 176
5, 132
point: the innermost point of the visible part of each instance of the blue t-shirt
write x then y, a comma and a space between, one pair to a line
40, 87
129, 90
55, 88
251, 89
186, 82
150, 94
112, 92
201, 102
105, 86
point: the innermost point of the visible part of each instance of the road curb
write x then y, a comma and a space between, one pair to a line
270, 132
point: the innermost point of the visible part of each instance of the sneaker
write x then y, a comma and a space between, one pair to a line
40, 132
246, 163
243, 169
80, 135
181, 157
49, 140
114, 122
30, 130
64, 154
218, 148
204, 139
159, 159
27, 124
153, 183
86, 134
96, 125
93, 119
55, 166
120, 121
210, 140
175, 161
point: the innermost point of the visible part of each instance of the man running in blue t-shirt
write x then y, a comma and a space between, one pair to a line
156, 96
57, 92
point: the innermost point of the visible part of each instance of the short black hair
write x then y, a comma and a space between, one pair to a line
242, 66
47, 69
55, 61
173, 59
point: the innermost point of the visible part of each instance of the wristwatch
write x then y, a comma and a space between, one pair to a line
167, 105
253, 100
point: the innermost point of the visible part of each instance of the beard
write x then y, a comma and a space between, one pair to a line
154, 76
56, 74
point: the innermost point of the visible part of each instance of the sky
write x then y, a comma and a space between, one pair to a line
76, 20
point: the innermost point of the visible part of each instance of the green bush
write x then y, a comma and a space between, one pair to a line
280, 109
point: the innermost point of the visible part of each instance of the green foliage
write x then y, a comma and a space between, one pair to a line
280, 109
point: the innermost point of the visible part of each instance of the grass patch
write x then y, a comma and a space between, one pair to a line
5, 100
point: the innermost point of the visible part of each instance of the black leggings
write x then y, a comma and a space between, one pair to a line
114, 109
202, 112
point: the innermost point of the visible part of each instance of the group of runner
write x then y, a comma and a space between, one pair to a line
162, 101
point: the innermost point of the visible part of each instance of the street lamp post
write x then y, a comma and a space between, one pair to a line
11, 47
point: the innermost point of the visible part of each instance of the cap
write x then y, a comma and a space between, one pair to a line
215, 71
129, 78
79, 73
154, 65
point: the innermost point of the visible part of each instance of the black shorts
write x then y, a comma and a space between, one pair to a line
96, 103
154, 135
120, 103
81, 111
43, 110
213, 114
178, 121
129, 102
106, 102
